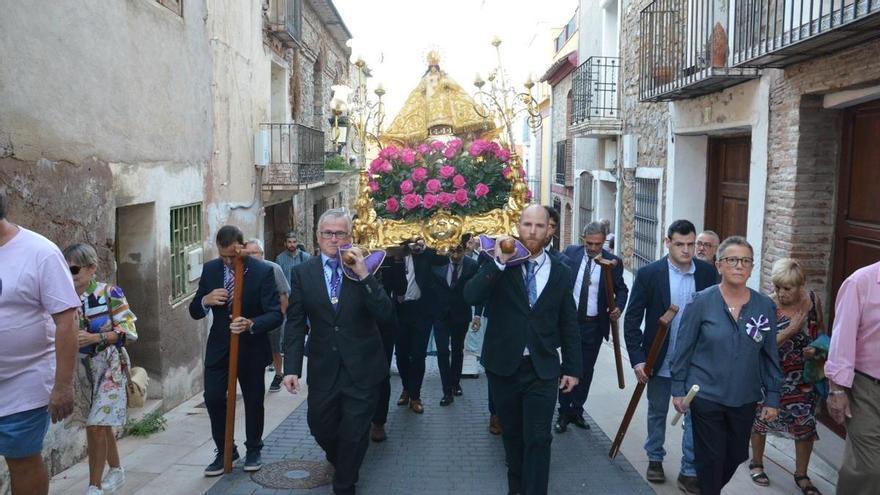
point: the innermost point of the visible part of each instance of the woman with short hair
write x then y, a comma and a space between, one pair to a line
106, 325
798, 323
726, 345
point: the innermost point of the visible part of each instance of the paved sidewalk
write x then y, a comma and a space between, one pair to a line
444, 451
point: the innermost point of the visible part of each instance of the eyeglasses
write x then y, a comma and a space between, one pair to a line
327, 234
74, 270
733, 261
705, 244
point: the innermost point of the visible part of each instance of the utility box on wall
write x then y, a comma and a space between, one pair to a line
630, 144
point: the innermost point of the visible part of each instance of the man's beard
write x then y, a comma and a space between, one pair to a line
533, 245
293, 248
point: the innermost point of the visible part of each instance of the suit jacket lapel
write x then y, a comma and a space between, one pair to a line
664, 284
345, 293
317, 271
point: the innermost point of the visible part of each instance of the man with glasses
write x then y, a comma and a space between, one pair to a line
347, 363
38, 307
260, 314
291, 256
673, 279
707, 245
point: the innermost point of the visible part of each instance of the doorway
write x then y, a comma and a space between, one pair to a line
727, 185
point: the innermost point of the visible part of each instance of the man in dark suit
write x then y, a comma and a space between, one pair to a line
416, 308
452, 320
392, 280
593, 316
672, 279
260, 314
532, 314
346, 360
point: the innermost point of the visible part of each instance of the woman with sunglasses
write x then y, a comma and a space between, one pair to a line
726, 345
106, 325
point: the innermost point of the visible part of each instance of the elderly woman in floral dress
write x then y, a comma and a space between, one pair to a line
106, 325
798, 323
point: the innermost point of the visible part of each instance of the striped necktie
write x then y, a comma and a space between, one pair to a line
229, 283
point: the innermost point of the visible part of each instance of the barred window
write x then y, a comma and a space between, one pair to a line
186, 235
645, 249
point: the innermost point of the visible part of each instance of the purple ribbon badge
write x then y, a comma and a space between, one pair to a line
755, 327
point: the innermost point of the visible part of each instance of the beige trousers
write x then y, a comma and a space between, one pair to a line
860, 472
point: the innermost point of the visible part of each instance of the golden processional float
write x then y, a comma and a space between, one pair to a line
439, 173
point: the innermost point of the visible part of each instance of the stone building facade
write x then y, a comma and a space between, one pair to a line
145, 139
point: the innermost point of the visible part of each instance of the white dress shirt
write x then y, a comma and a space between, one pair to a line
592, 290
413, 293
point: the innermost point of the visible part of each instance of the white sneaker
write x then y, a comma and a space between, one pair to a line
114, 478
94, 490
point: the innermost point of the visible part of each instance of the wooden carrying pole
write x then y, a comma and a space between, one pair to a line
607, 266
238, 270
656, 345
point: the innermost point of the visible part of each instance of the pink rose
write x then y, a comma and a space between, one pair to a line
424, 149
406, 187
411, 201
461, 197
374, 186
450, 153
408, 156
447, 171
459, 181
389, 153
528, 194
455, 143
433, 186
420, 174
445, 199
392, 205
503, 154
429, 201
437, 145
506, 172
481, 190
478, 147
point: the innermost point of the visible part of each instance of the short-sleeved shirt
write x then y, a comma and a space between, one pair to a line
280, 280
35, 283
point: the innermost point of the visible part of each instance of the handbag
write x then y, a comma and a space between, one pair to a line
138, 380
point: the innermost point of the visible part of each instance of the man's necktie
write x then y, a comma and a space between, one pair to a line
585, 289
229, 284
531, 285
454, 275
334, 281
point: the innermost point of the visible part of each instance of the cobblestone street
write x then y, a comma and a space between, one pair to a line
444, 451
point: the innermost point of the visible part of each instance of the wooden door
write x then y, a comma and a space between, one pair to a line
857, 239
727, 185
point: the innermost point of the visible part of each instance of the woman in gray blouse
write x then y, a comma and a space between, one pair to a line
726, 345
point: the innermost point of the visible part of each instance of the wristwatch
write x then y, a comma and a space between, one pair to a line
836, 392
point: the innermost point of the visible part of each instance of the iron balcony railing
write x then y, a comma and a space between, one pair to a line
285, 19
775, 33
594, 92
296, 155
684, 50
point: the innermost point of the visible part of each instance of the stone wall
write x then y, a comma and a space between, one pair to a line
803, 163
647, 121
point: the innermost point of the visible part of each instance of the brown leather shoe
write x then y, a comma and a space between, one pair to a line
377, 433
404, 399
494, 425
416, 406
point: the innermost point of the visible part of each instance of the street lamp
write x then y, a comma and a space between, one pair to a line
365, 115
338, 122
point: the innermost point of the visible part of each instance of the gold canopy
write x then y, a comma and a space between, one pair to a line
437, 106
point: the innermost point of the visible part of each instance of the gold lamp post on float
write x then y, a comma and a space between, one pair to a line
364, 119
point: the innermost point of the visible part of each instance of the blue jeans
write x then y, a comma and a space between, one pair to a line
659, 395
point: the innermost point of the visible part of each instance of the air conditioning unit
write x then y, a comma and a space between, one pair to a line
262, 148
194, 262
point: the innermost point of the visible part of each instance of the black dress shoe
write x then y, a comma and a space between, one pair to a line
578, 421
561, 424
216, 467
446, 400
456, 390
655, 472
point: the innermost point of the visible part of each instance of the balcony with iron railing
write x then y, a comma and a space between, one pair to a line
285, 20
684, 50
295, 156
595, 102
775, 33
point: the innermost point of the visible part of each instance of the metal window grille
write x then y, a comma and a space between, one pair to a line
646, 221
585, 202
186, 233
594, 86
560, 161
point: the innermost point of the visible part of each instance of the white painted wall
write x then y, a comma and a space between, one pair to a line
742, 107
